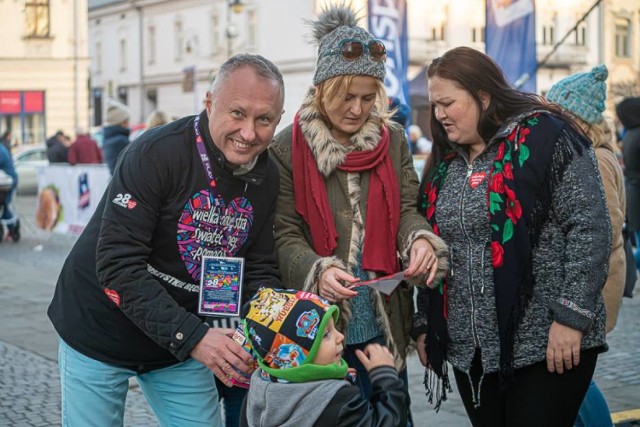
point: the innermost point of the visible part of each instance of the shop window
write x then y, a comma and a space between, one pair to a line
36, 13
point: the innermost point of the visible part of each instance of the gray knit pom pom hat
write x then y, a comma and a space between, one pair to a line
335, 24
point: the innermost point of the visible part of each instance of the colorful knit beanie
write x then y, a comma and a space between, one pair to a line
285, 328
335, 25
582, 94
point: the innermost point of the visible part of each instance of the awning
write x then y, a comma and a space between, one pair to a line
418, 93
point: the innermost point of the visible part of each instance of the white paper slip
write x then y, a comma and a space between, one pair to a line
384, 284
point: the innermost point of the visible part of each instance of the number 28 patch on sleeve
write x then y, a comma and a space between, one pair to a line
125, 200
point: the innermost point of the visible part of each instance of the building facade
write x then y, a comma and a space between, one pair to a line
162, 54
44, 68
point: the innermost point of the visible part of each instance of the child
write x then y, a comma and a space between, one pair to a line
301, 379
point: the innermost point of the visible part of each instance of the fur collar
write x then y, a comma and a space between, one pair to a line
328, 152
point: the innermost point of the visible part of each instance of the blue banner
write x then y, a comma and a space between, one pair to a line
511, 40
388, 23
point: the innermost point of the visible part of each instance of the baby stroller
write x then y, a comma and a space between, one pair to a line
12, 224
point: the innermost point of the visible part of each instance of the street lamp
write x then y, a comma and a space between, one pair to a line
235, 6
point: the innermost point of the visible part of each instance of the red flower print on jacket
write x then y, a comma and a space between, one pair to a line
500, 154
513, 208
431, 198
497, 183
508, 170
497, 254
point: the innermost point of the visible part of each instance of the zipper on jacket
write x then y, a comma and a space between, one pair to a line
482, 273
476, 341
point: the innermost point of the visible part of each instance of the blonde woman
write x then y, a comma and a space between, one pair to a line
347, 202
583, 95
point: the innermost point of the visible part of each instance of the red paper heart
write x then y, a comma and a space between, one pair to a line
476, 179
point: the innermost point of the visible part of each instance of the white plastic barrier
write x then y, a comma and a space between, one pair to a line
68, 196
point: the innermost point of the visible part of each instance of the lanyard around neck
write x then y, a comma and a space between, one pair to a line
204, 157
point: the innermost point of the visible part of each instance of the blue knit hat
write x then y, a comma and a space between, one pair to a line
582, 94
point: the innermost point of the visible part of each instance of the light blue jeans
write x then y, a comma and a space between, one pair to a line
94, 393
594, 411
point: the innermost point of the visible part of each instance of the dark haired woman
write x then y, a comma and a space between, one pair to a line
513, 187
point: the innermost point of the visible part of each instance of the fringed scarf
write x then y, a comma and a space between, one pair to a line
383, 204
520, 188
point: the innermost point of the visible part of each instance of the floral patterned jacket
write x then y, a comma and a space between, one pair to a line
570, 259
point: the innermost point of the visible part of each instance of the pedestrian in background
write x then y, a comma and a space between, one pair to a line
116, 133
628, 111
513, 187
419, 143
84, 149
58, 148
127, 300
5, 139
343, 160
584, 96
7, 216
156, 118
312, 386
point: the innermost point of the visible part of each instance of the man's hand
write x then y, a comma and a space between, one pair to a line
218, 352
422, 260
563, 348
330, 285
375, 355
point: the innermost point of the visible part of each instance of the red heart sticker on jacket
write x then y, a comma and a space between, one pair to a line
476, 179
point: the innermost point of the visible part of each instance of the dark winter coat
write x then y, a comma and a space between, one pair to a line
629, 114
116, 137
57, 152
128, 291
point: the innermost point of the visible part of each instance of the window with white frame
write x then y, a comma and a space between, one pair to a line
252, 28
98, 57
477, 34
123, 55
151, 44
548, 35
623, 38
215, 34
581, 34
36, 13
438, 33
178, 39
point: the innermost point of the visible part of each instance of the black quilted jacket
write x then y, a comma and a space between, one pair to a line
128, 291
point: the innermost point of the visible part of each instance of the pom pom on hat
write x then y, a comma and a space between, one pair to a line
117, 113
582, 94
335, 24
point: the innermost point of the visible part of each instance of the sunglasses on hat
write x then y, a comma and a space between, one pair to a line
352, 49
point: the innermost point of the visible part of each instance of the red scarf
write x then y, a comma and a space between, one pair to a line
383, 203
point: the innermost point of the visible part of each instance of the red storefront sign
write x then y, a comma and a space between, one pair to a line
33, 102
12, 103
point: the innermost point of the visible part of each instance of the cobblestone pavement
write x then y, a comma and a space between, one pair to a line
29, 383
30, 392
